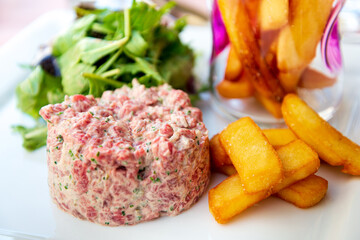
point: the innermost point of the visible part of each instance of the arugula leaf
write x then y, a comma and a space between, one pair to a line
97, 49
105, 50
144, 17
96, 87
33, 138
69, 59
101, 48
100, 13
37, 91
55, 95
101, 28
27, 92
176, 67
150, 69
106, 65
111, 73
137, 46
131, 68
148, 81
73, 82
174, 60
99, 78
72, 35
115, 21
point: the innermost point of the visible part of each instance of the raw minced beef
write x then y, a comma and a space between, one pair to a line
130, 156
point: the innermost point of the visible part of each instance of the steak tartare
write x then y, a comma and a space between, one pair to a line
130, 156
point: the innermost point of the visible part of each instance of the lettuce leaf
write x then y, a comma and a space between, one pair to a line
38, 90
33, 138
104, 50
76, 32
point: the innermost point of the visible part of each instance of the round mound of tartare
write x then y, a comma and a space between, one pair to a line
130, 156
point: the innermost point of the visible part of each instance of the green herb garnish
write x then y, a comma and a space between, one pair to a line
71, 153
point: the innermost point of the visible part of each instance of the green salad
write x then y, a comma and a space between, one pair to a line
104, 50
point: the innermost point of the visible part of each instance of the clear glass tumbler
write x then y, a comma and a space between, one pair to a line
265, 49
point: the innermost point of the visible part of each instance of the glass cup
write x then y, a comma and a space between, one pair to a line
286, 47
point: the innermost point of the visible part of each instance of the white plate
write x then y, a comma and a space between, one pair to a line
27, 211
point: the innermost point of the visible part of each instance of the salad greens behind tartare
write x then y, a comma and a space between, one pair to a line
104, 50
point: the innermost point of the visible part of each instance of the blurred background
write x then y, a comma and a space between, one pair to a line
16, 14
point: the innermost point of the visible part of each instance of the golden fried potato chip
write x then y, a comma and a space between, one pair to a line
305, 193
229, 198
279, 136
242, 38
272, 106
252, 155
236, 89
220, 161
233, 67
305, 157
330, 144
273, 14
218, 155
290, 79
298, 41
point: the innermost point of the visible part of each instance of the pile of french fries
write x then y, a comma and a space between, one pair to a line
272, 44
280, 162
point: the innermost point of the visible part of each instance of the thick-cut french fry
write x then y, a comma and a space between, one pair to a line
312, 79
233, 67
268, 45
300, 153
274, 107
289, 80
305, 193
218, 155
298, 40
252, 8
273, 14
287, 56
330, 144
239, 89
243, 40
228, 170
252, 155
279, 136
270, 56
221, 162
229, 197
